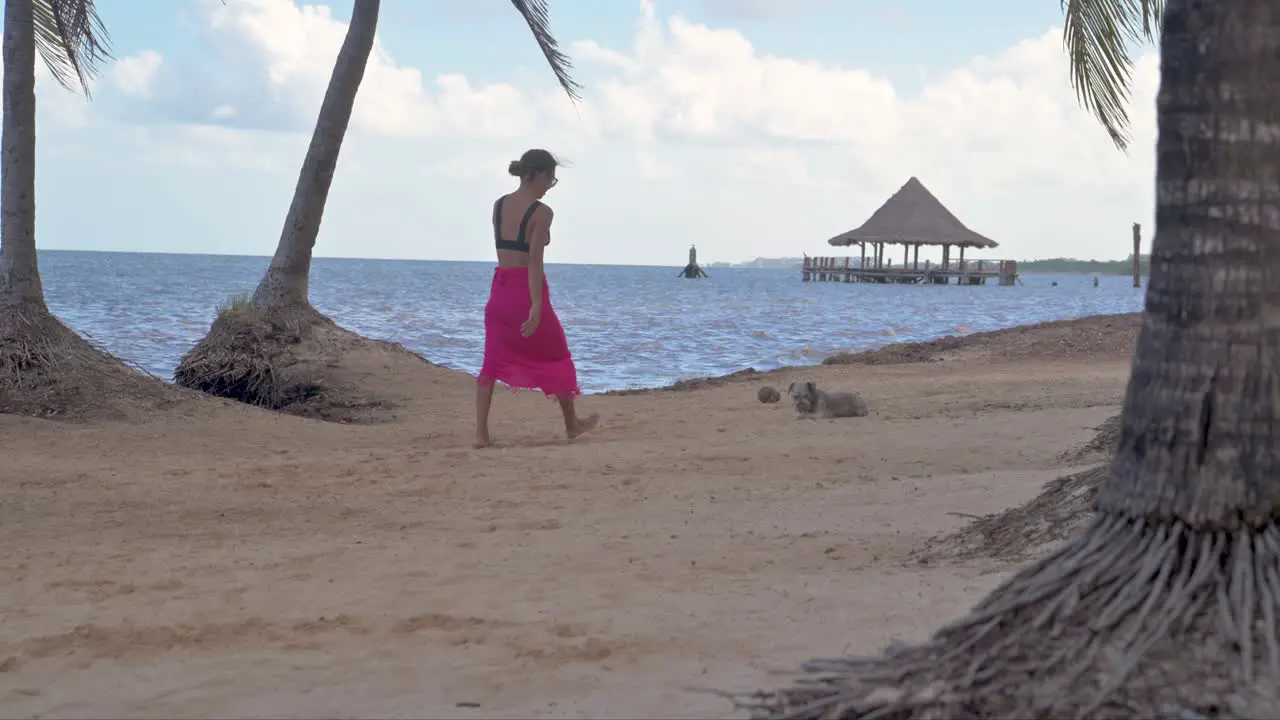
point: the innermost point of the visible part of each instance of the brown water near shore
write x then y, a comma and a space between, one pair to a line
214, 560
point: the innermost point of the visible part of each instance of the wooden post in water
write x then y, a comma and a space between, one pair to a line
1137, 263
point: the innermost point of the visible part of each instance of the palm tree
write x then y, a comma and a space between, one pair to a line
1166, 604
1097, 35
70, 37
274, 349
45, 368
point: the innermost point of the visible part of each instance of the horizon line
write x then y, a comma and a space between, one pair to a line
321, 257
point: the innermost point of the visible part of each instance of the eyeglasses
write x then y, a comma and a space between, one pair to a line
554, 182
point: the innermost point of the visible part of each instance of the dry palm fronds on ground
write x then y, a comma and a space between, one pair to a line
1096, 335
294, 363
1099, 446
1063, 507
1059, 510
1127, 620
47, 370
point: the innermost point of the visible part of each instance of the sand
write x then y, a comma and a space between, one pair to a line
215, 560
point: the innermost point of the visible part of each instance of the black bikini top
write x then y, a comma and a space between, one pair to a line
521, 243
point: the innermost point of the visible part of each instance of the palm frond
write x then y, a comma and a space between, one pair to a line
536, 14
72, 40
1097, 35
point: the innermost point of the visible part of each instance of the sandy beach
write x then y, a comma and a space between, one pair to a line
208, 559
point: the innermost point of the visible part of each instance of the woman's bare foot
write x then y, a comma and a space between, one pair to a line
584, 425
482, 441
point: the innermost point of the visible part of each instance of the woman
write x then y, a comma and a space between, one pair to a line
524, 345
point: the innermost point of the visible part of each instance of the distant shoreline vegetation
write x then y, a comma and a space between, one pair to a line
1086, 267
1066, 266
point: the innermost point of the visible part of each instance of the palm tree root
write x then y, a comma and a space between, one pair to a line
47, 370
1129, 619
295, 361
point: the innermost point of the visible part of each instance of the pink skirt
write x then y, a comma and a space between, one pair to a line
540, 361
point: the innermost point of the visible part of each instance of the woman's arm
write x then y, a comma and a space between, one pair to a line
537, 245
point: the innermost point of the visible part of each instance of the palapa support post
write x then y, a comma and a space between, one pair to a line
1137, 262
692, 271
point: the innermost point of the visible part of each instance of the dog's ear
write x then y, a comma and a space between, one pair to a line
791, 388
812, 387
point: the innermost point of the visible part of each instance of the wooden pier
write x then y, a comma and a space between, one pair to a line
912, 218
858, 269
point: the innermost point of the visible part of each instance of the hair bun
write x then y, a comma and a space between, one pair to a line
515, 168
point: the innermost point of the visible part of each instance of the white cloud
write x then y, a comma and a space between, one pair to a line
213, 146
760, 9
994, 120
296, 46
59, 106
690, 134
133, 75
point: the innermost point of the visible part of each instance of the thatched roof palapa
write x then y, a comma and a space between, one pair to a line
914, 216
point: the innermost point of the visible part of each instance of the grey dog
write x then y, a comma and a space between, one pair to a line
812, 402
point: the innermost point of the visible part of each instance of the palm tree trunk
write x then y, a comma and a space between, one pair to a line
20, 287
285, 284
1200, 436
1168, 603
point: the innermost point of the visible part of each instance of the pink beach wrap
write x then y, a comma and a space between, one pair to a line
540, 361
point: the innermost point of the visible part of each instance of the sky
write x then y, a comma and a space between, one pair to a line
751, 128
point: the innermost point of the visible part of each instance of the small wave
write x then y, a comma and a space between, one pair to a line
802, 353
585, 322
436, 341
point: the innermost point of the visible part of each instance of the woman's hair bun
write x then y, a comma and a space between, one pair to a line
533, 162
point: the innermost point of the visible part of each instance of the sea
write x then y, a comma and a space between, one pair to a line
628, 326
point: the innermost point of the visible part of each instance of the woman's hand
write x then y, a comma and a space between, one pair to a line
531, 325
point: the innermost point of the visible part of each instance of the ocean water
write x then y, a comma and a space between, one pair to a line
628, 327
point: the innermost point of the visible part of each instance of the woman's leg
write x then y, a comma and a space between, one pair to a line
484, 399
574, 425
